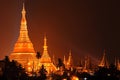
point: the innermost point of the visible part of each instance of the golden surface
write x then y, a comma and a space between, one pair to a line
23, 51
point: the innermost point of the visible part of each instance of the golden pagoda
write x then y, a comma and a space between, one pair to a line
46, 60
23, 51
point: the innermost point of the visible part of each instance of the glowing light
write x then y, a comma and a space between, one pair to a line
28, 63
29, 69
85, 78
75, 78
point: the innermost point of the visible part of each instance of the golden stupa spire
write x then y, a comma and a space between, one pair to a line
45, 51
64, 60
102, 62
23, 20
45, 44
23, 50
70, 57
45, 56
23, 37
23, 44
23, 10
69, 61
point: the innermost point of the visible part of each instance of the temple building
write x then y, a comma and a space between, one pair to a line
103, 62
68, 63
23, 51
46, 59
64, 60
117, 64
86, 67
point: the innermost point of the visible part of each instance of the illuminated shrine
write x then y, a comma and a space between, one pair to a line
68, 63
23, 51
46, 60
104, 62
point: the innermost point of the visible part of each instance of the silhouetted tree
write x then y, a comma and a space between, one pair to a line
113, 72
7, 60
43, 73
65, 75
38, 55
13, 71
101, 73
57, 77
60, 63
107, 73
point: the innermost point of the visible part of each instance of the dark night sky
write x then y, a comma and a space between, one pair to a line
87, 27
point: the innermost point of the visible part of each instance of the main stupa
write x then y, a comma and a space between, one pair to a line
23, 51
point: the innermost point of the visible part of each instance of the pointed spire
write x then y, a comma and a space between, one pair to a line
23, 43
85, 66
118, 64
45, 56
45, 43
23, 27
23, 49
23, 9
64, 60
69, 59
103, 62
23, 20
46, 59
69, 62
53, 60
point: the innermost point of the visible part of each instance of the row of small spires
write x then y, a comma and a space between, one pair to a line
104, 62
68, 62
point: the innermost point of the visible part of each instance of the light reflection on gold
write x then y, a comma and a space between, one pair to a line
23, 51
75, 78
